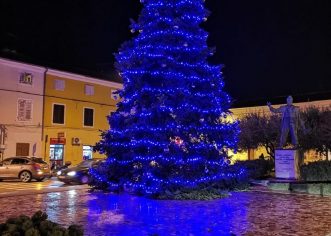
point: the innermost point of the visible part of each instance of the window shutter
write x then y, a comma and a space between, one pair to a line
24, 109
89, 89
20, 112
59, 85
28, 110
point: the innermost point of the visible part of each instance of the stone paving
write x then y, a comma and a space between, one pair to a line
243, 213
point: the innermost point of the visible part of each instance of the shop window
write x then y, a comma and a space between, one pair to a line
88, 116
87, 152
58, 114
56, 152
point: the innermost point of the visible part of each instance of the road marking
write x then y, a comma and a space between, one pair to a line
18, 186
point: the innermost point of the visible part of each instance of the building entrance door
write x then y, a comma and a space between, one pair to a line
56, 156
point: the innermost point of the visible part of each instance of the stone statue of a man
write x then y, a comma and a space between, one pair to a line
290, 121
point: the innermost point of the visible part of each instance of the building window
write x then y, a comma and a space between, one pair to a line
24, 109
88, 116
87, 152
89, 90
58, 114
26, 78
22, 149
59, 85
113, 94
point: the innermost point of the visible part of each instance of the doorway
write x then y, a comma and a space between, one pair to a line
56, 155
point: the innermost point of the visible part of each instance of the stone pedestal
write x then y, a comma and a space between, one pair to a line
287, 163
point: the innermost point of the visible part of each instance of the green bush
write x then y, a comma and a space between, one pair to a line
316, 171
209, 191
256, 169
193, 194
37, 225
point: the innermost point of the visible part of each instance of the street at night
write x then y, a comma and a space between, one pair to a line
165, 118
243, 213
14, 187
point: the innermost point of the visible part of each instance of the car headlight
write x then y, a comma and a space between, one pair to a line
59, 172
71, 173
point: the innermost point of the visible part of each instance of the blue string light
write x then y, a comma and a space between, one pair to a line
171, 126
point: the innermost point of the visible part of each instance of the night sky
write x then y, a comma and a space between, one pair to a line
269, 48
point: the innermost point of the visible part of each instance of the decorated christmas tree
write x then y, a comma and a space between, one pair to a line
172, 128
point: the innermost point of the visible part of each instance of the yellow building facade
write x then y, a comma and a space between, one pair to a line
75, 111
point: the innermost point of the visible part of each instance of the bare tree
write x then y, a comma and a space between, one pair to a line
318, 130
263, 131
259, 131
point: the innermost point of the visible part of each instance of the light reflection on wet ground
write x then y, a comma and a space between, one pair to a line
16, 185
244, 213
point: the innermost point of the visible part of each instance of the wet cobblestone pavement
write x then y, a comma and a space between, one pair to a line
243, 213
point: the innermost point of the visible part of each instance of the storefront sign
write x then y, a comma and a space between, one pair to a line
57, 141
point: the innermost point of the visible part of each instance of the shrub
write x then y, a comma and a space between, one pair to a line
256, 169
192, 194
37, 225
209, 191
316, 171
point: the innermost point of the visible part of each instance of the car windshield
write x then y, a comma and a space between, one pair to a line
6, 162
86, 163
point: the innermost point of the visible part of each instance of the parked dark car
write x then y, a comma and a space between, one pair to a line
24, 168
78, 174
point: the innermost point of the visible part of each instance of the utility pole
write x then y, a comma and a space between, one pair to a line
3, 136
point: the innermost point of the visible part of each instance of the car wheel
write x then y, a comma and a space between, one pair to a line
25, 176
84, 179
40, 179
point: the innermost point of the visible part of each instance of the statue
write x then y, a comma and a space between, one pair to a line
290, 121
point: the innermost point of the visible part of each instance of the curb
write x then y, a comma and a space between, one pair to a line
292, 187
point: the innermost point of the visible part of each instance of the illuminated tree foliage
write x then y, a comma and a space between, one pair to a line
172, 126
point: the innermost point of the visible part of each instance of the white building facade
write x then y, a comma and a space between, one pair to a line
21, 103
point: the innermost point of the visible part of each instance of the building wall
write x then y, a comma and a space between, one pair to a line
75, 100
239, 113
21, 127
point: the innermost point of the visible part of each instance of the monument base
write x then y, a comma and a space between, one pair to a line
287, 163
